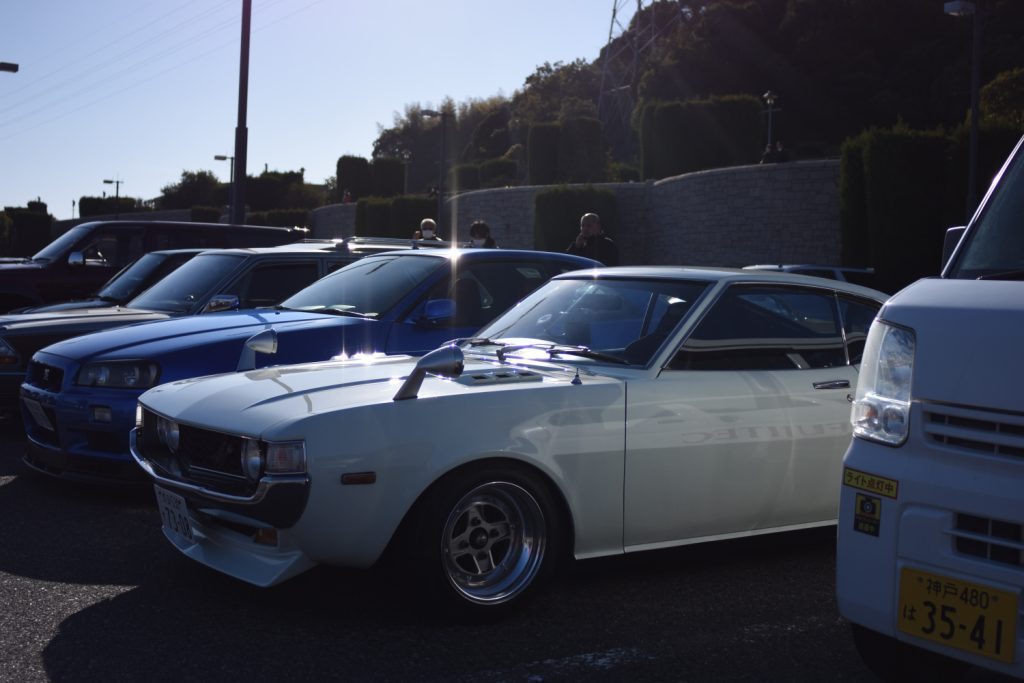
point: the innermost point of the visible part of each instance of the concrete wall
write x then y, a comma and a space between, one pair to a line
775, 213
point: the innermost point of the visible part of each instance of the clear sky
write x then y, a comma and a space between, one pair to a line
141, 90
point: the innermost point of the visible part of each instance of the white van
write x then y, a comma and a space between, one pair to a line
930, 561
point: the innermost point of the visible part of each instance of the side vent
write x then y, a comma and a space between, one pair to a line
500, 376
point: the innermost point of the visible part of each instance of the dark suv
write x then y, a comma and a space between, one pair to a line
78, 262
215, 280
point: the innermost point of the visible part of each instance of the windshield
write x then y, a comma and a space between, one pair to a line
192, 282
628, 319
369, 286
61, 245
134, 277
994, 244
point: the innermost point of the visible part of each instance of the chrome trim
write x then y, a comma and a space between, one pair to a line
262, 489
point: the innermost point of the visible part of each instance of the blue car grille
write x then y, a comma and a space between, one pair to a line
44, 376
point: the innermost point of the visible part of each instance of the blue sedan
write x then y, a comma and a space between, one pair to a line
79, 396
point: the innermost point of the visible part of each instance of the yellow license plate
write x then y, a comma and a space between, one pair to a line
967, 616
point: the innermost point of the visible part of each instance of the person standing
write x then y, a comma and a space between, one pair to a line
480, 235
427, 231
593, 243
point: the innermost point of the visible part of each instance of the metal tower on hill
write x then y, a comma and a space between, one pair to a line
620, 70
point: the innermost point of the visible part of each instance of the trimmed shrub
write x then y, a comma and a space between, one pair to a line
557, 213
355, 176
542, 154
619, 172
498, 173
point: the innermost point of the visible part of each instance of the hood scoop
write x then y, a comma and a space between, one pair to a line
503, 375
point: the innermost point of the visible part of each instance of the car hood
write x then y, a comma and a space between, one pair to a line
189, 331
253, 402
969, 338
74, 319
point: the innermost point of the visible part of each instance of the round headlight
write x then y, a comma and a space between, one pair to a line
167, 432
252, 459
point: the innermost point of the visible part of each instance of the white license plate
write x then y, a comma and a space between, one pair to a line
174, 515
37, 413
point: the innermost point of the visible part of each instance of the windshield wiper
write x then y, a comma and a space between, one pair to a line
560, 349
328, 310
1005, 275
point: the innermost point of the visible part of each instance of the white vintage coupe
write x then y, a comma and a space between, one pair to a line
611, 411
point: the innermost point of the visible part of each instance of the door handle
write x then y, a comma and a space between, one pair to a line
833, 384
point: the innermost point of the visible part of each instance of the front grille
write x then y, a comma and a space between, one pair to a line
44, 376
210, 459
989, 539
976, 431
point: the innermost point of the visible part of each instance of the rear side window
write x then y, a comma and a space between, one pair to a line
857, 315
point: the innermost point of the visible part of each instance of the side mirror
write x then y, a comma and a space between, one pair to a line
446, 362
949, 243
221, 302
261, 342
438, 310
76, 258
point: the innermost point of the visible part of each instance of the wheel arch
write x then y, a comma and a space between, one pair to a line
565, 517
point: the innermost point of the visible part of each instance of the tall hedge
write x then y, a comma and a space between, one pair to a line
30, 231
408, 210
464, 177
685, 136
354, 175
905, 177
388, 175
373, 218
557, 213
853, 220
582, 157
542, 154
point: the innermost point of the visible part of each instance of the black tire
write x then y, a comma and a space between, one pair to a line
894, 660
485, 539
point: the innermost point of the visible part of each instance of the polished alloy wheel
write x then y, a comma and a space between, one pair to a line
494, 542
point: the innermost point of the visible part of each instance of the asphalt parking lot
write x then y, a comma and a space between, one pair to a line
89, 590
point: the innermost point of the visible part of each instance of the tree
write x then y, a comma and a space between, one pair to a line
196, 188
1002, 99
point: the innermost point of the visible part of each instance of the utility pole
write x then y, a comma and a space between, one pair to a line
241, 132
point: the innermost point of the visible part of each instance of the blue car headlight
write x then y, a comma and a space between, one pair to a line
123, 374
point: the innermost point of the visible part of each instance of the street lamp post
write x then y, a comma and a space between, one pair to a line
770, 98
241, 130
231, 183
962, 8
443, 115
117, 196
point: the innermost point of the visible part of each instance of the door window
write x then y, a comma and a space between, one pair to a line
766, 328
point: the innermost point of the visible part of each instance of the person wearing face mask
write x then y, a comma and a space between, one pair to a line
427, 231
480, 235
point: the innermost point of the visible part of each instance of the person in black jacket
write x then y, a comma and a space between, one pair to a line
593, 243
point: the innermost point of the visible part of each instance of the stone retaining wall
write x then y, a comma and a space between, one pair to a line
777, 213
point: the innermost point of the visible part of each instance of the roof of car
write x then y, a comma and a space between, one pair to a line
348, 246
720, 274
807, 266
